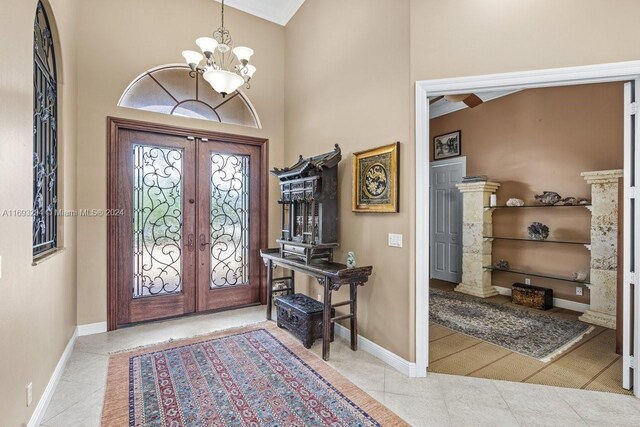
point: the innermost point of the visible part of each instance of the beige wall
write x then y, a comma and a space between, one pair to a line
348, 84
118, 40
38, 303
538, 140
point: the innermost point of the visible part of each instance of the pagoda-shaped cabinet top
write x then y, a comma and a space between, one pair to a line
309, 203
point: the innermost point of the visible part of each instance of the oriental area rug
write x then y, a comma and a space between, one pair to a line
251, 376
523, 331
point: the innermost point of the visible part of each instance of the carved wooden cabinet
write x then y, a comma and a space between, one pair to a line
309, 207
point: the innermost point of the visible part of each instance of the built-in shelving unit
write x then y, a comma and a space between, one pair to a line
524, 239
538, 206
587, 245
543, 275
601, 245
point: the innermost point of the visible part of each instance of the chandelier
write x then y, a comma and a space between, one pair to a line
226, 67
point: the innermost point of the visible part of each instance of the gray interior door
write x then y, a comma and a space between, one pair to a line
446, 219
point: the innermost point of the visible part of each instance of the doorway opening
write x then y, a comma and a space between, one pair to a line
190, 221
484, 228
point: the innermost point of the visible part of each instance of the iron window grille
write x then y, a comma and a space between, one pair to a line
45, 136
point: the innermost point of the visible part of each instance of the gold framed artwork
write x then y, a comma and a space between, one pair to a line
376, 179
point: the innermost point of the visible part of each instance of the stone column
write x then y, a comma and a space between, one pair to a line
476, 251
604, 247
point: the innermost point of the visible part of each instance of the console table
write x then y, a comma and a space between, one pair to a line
331, 276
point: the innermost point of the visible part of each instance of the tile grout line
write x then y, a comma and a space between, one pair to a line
600, 373
563, 355
437, 339
456, 352
507, 403
490, 363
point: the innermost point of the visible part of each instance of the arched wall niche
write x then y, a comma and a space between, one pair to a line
169, 89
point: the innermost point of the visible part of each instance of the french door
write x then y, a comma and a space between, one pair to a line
190, 222
631, 251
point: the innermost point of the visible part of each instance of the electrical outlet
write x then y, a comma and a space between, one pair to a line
527, 281
320, 297
579, 290
29, 393
395, 240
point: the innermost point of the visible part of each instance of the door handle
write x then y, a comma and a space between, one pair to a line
203, 243
190, 243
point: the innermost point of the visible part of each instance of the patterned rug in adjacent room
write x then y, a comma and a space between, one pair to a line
254, 376
527, 332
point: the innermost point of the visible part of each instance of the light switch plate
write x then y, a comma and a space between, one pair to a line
527, 281
395, 240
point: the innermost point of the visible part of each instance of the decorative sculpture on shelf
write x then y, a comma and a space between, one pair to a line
548, 198
538, 231
572, 201
501, 265
515, 202
579, 276
351, 259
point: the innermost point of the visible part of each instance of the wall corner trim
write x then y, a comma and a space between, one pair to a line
398, 363
92, 328
45, 399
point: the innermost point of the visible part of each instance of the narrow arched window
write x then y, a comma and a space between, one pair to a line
45, 136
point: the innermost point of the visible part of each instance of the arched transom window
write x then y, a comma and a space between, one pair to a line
170, 89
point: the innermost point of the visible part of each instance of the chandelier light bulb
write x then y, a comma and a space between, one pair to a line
223, 82
193, 58
207, 45
243, 54
248, 71
225, 72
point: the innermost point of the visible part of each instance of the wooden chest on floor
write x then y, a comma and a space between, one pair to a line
302, 316
532, 296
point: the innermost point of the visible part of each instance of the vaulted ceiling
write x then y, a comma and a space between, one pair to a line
278, 11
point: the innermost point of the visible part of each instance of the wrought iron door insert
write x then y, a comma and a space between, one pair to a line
191, 232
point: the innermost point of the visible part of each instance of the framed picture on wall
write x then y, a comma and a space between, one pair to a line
447, 145
376, 179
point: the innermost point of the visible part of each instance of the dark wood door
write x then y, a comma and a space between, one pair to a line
155, 237
228, 225
192, 217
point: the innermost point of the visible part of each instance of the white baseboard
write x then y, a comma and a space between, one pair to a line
388, 357
557, 302
43, 403
92, 328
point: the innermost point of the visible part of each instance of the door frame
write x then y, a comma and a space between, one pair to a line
114, 126
588, 74
445, 162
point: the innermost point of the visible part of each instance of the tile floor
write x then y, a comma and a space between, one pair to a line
591, 364
438, 400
